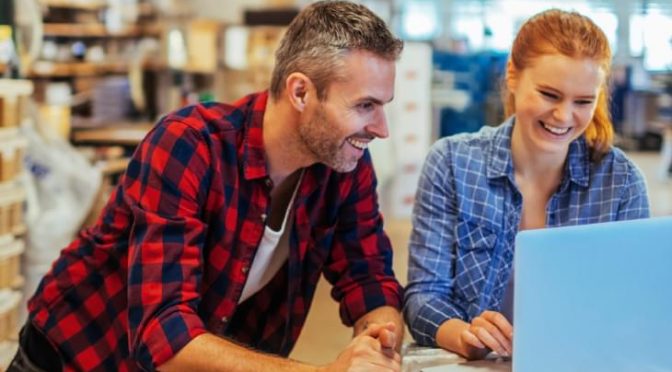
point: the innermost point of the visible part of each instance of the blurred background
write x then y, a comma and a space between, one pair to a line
82, 81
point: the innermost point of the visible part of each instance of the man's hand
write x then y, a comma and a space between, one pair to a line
490, 330
371, 350
383, 315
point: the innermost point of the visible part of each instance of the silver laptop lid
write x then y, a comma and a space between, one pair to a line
594, 297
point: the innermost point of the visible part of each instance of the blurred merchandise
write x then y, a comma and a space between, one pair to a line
13, 95
248, 59
176, 49
11, 250
111, 101
466, 91
410, 126
11, 157
9, 314
55, 111
202, 45
7, 53
14, 107
11, 210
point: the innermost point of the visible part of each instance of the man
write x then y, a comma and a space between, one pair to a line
208, 253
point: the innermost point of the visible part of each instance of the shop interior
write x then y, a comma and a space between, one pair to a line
83, 81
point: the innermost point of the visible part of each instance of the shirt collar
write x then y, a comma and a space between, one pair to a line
253, 154
500, 161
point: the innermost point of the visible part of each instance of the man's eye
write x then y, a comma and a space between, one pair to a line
365, 106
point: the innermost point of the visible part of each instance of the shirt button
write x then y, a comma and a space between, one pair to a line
245, 269
263, 217
268, 182
225, 319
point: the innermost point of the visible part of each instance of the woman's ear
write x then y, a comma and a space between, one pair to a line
298, 87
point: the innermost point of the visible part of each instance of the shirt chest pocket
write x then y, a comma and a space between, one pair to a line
474, 247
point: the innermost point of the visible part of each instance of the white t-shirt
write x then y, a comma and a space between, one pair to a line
272, 253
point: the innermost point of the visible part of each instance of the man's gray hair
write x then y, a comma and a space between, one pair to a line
321, 35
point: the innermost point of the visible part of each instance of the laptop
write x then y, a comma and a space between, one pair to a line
594, 297
591, 298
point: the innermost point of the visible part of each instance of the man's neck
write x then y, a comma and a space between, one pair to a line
284, 151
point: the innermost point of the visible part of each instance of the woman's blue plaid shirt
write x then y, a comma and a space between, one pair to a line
467, 214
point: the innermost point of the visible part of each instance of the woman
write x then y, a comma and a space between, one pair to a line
550, 164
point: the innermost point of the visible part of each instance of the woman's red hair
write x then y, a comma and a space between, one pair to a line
575, 36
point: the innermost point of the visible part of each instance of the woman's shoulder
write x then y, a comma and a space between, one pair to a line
467, 143
618, 163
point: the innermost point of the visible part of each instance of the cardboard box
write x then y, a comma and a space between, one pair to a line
13, 94
11, 158
9, 314
11, 210
10, 262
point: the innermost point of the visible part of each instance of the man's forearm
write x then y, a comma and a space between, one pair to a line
382, 315
208, 352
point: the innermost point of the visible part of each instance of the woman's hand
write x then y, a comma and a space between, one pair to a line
488, 331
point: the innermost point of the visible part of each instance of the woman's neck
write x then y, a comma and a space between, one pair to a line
544, 169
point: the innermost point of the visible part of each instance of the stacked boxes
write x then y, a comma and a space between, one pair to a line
11, 157
13, 96
410, 125
9, 302
10, 262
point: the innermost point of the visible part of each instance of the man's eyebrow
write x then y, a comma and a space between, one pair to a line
375, 100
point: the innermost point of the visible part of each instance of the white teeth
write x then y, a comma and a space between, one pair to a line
358, 144
555, 130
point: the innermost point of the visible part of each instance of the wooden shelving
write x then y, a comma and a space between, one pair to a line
92, 30
113, 166
12, 225
45, 69
75, 4
125, 134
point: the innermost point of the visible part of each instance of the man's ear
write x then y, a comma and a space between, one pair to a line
299, 88
512, 76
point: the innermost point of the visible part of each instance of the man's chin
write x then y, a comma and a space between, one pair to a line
341, 167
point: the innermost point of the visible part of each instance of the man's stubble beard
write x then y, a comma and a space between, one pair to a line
323, 139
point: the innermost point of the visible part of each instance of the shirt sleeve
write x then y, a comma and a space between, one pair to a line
635, 199
360, 261
165, 186
427, 302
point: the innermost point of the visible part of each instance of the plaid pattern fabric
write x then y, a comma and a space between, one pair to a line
168, 258
467, 214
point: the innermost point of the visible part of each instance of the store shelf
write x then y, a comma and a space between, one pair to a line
143, 8
48, 69
45, 69
113, 166
75, 4
80, 30
124, 134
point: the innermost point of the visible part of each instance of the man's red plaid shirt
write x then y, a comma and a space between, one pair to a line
169, 256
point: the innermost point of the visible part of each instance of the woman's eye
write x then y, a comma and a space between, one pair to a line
549, 94
584, 102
